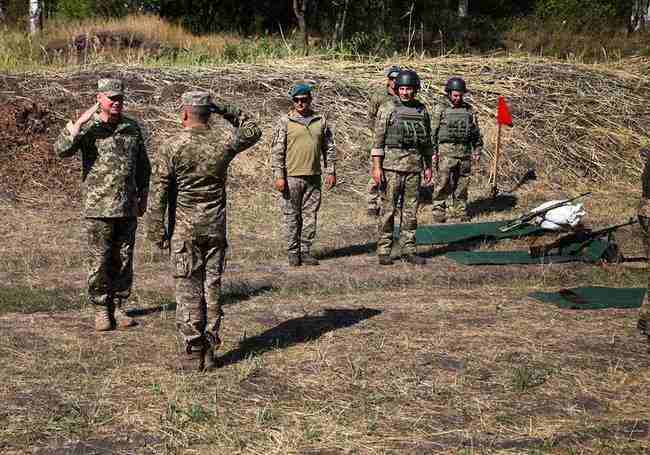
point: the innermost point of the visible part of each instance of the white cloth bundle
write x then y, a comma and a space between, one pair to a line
561, 218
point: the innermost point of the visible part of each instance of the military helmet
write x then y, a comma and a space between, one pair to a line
455, 84
392, 71
407, 78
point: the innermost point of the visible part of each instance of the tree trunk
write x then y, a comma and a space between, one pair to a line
339, 28
640, 17
463, 8
35, 18
300, 10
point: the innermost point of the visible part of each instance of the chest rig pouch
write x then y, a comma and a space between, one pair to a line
455, 126
407, 128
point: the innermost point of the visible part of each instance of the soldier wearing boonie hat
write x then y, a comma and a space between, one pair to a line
114, 192
191, 168
378, 98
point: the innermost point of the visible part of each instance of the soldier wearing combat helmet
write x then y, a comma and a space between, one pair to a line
191, 169
402, 149
457, 140
115, 185
376, 100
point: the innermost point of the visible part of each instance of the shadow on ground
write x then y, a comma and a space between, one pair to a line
500, 203
350, 250
298, 330
231, 294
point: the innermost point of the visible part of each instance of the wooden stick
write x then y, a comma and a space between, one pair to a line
495, 164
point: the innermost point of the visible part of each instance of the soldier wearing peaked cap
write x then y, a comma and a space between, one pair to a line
191, 169
114, 188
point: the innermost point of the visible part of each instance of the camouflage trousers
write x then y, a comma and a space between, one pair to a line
644, 311
198, 265
300, 203
452, 183
399, 199
109, 258
374, 193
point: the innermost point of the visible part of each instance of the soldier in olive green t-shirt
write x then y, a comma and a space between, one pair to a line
300, 140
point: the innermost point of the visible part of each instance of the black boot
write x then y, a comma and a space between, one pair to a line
414, 259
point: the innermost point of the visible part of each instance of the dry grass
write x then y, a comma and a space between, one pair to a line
347, 357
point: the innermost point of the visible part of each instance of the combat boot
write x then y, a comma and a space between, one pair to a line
294, 259
439, 216
210, 361
192, 357
103, 320
385, 259
308, 259
121, 318
414, 259
643, 326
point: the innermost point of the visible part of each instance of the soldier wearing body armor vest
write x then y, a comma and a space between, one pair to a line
402, 149
376, 100
457, 140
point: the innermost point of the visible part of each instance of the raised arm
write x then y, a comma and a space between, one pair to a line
71, 138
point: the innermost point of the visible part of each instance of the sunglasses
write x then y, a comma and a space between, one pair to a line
116, 98
302, 99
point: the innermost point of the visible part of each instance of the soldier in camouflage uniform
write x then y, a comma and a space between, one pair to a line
376, 100
402, 149
115, 184
191, 170
457, 140
644, 221
300, 140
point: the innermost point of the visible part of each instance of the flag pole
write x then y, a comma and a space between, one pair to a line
495, 165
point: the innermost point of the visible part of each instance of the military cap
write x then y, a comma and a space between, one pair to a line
110, 87
392, 71
196, 98
300, 89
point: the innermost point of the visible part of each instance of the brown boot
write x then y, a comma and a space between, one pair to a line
191, 358
210, 360
103, 320
122, 319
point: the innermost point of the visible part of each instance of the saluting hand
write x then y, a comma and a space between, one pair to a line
83, 119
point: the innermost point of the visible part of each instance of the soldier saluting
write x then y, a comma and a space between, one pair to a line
192, 168
114, 188
402, 149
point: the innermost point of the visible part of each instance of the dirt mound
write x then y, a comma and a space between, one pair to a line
27, 163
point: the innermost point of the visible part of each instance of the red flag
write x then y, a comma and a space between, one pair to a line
503, 113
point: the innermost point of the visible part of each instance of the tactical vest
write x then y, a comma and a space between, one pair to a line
407, 128
455, 125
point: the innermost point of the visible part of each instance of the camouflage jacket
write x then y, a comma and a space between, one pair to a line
115, 166
474, 142
376, 100
189, 179
395, 158
280, 148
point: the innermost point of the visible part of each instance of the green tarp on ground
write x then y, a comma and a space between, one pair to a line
593, 298
592, 252
453, 233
